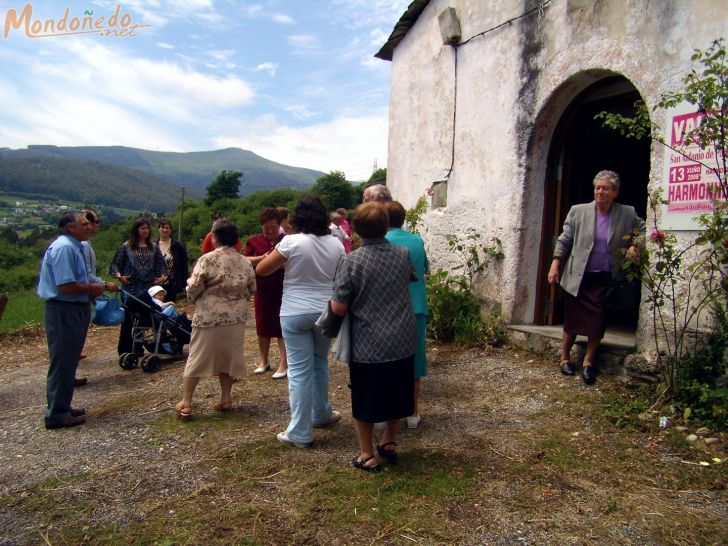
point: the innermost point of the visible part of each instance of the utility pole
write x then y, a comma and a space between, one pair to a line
181, 211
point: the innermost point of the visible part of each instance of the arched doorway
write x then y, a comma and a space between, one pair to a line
580, 148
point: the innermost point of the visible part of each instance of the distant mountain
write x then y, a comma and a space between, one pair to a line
86, 181
193, 170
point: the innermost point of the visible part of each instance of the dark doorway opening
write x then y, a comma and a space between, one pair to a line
580, 148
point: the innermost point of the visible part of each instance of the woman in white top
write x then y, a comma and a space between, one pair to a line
310, 257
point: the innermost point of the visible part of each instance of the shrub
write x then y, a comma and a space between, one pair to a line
455, 314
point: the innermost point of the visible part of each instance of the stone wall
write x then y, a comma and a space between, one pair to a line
481, 115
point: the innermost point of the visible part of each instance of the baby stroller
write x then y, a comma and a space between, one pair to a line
153, 331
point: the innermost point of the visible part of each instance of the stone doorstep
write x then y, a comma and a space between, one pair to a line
546, 341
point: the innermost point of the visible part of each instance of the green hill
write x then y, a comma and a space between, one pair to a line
193, 170
90, 181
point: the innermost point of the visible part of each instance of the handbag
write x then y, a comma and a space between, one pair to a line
342, 345
329, 322
621, 295
108, 311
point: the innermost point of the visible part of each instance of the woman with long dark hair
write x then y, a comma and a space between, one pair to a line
310, 256
139, 265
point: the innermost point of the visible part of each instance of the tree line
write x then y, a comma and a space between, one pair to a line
20, 257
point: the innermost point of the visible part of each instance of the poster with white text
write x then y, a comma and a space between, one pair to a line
689, 182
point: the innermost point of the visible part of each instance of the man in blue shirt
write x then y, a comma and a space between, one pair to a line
64, 284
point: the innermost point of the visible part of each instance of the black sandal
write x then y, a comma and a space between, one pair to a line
391, 456
356, 463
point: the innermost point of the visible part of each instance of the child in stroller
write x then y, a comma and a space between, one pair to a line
157, 327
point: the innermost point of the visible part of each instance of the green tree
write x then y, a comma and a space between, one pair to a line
334, 190
225, 185
379, 176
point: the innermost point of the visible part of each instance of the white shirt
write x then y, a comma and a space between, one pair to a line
309, 281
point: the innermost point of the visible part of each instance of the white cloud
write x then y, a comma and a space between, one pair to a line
303, 41
300, 111
282, 18
255, 11
271, 68
348, 144
221, 54
165, 45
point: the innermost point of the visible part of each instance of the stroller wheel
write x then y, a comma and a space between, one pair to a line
124, 361
151, 364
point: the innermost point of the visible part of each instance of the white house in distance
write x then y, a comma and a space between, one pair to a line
493, 105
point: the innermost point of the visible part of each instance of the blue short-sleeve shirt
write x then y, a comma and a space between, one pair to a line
63, 263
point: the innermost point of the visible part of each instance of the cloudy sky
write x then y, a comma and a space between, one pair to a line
294, 81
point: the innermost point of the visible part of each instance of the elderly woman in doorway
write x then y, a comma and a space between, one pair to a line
311, 256
139, 265
372, 284
268, 292
588, 255
221, 284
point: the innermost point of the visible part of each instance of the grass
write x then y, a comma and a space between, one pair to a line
24, 309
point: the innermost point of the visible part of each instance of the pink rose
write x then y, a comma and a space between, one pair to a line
657, 235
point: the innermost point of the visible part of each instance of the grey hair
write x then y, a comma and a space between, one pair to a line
609, 176
379, 192
68, 217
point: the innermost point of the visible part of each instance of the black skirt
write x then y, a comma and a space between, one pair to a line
382, 391
584, 315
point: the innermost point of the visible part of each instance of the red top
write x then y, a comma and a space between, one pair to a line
207, 245
258, 245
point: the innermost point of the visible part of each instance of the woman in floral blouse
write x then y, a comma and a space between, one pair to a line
221, 284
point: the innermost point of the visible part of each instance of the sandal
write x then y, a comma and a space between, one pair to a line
356, 463
224, 408
390, 455
184, 412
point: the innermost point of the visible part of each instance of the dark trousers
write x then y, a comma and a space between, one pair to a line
66, 325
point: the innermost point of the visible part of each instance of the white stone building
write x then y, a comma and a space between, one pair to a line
501, 121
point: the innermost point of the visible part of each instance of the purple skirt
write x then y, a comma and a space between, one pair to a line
584, 314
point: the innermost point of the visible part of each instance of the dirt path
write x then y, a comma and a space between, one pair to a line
531, 456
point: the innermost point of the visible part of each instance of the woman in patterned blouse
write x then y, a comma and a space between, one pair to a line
139, 265
372, 285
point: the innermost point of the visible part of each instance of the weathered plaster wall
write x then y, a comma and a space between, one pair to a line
512, 85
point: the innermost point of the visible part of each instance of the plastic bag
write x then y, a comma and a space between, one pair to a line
108, 311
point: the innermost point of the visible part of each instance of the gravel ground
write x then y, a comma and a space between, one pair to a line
491, 409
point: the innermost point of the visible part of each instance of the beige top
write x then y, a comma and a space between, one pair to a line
221, 284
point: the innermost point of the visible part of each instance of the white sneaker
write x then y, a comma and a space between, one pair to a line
284, 439
413, 421
262, 369
333, 418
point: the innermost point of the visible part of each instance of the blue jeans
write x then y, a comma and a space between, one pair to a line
308, 375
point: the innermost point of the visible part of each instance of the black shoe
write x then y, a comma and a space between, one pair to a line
589, 375
567, 368
80, 382
78, 412
361, 465
70, 422
389, 455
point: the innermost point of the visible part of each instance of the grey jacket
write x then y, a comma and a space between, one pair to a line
577, 239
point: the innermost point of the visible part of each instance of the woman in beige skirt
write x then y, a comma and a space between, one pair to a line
221, 284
